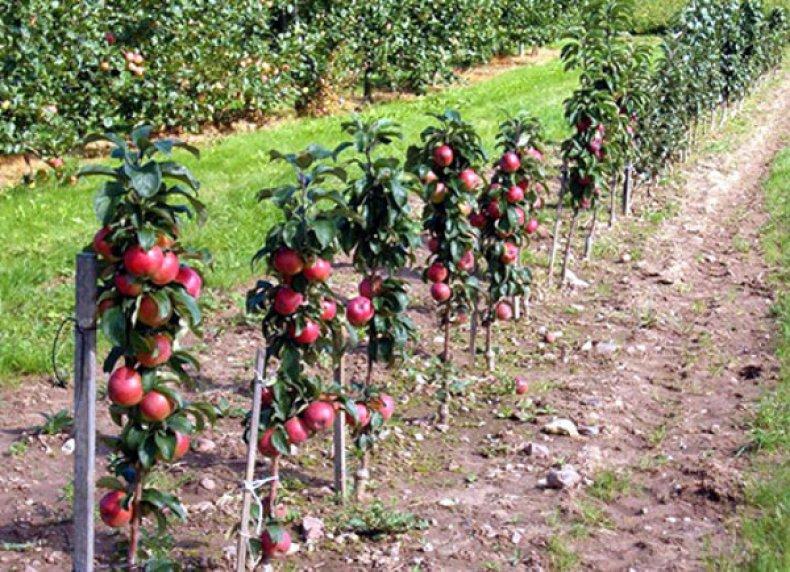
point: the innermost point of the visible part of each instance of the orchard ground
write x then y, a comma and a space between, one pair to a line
682, 341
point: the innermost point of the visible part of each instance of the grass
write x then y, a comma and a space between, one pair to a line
43, 228
766, 534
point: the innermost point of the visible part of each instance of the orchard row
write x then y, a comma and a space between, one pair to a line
478, 215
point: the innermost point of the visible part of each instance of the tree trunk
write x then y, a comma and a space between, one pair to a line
627, 188
590, 240
612, 201
137, 518
271, 500
490, 362
473, 332
567, 257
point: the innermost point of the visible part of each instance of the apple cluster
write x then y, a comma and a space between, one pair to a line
143, 280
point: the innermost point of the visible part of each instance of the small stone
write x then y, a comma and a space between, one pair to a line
68, 447
448, 502
587, 346
536, 450
625, 258
516, 537
564, 478
605, 348
561, 427
643, 511
589, 430
419, 437
574, 281
313, 528
208, 483
671, 519
203, 445
427, 547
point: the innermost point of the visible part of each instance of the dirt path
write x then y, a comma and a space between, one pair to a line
660, 360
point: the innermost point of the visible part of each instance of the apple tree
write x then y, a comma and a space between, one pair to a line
148, 301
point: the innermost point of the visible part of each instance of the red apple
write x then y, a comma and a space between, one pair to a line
478, 220
509, 254
433, 244
510, 162
467, 262
439, 193
308, 335
503, 311
182, 446
430, 177
105, 305
523, 184
319, 415
109, 37
56, 163
387, 407
168, 271
265, 446
125, 387
514, 194
465, 208
359, 311
493, 210
532, 226
267, 396
437, 272
190, 280
441, 292
363, 415
469, 179
127, 285
102, 247
287, 301
535, 154
371, 286
318, 271
149, 313
328, 310
272, 549
521, 385
520, 216
550, 337
112, 512
141, 262
296, 430
443, 156
155, 407
163, 349
287, 262
164, 241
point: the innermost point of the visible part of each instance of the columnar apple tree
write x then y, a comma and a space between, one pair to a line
381, 240
301, 324
505, 215
147, 302
448, 163
600, 110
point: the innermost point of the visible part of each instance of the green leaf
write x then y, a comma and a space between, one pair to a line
166, 443
113, 324
145, 180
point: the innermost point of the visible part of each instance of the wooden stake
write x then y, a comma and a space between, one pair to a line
339, 437
557, 222
627, 188
517, 308
252, 449
490, 363
84, 410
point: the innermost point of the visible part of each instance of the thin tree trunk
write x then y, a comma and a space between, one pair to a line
271, 500
362, 476
490, 363
590, 240
567, 257
557, 222
473, 332
137, 518
444, 404
612, 201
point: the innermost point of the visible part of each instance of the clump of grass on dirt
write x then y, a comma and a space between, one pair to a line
376, 521
767, 534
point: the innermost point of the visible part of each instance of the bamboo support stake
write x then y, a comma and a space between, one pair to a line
252, 448
473, 332
84, 411
557, 222
568, 247
339, 438
627, 188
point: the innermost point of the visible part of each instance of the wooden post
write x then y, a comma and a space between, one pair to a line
517, 308
339, 438
590, 240
490, 362
252, 448
84, 410
557, 221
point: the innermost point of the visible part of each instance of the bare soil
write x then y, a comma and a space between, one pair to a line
664, 354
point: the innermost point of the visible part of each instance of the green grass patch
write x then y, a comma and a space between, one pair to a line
43, 228
766, 525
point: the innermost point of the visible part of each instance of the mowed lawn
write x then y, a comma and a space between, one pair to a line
42, 229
